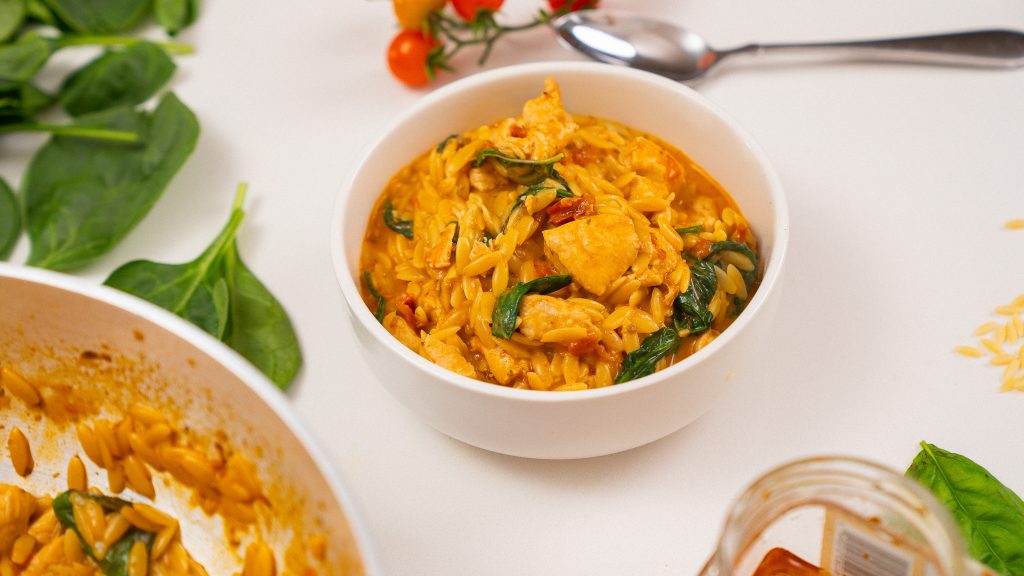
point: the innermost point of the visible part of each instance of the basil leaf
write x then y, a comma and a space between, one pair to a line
82, 197
12, 14
695, 229
520, 171
99, 16
644, 360
403, 227
506, 307
115, 562
218, 293
690, 309
258, 327
989, 514
117, 78
20, 61
175, 15
10, 220
749, 276
381, 301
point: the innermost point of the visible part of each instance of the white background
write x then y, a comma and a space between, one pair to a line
899, 181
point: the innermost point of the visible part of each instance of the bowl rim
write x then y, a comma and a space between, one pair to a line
350, 291
234, 363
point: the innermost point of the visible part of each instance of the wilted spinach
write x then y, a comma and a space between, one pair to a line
381, 301
218, 293
10, 220
115, 561
532, 191
749, 276
117, 78
644, 360
989, 514
82, 197
99, 16
175, 15
392, 221
690, 309
506, 307
520, 171
695, 229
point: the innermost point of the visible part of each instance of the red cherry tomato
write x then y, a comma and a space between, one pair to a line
408, 57
468, 8
573, 6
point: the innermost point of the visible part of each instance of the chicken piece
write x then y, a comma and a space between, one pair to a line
595, 250
16, 508
440, 254
502, 365
664, 259
400, 329
543, 130
540, 314
447, 356
648, 159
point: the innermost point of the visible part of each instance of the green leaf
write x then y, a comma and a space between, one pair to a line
115, 562
381, 301
196, 290
449, 138
117, 78
38, 11
99, 16
506, 307
175, 15
690, 309
20, 61
392, 221
989, 514
695, 229
259, 328
10, 220
644, 360
83, 197
520, 171
749, 276
21, 104
12, 14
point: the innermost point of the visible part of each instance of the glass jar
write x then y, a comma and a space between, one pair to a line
846, 516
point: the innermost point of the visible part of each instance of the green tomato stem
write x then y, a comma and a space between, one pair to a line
72, 131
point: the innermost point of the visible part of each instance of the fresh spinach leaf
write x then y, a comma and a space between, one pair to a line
12, 14
22, 103
115, 562
644, 360
520, 171
20, 61
695, 229
175, 15
218, 293
258, 326
117, 78
83, 197
38, 11
690, 309
989, 514
506, 307
749, 276
99, 16
381, 301
403, 227
10, 220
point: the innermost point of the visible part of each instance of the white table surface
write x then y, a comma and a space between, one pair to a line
899, 180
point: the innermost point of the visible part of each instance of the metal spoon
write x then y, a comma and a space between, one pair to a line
664, 48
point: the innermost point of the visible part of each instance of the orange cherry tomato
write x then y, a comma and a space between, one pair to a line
411, 14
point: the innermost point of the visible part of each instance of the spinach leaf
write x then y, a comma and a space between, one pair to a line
10, 220
520, 171
20, 61
381, 301
83, 197
115, 562
403, 227
175, 15
218, 293
122, 78
690, 309
258, 326
989, 514
643, 360
38, 11
449, 138
695, 229
506, 307
12, 14
22, 103
99, 16
749, 276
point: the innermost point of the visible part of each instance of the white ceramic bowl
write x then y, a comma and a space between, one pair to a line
590, 422
49, 321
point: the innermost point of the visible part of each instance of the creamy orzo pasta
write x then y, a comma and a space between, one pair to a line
554, 251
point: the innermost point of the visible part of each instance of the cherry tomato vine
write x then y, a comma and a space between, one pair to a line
432, 34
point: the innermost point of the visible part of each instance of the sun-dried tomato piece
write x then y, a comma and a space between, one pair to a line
569, 209
405, 306
701, 249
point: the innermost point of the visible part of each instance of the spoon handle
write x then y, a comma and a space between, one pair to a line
983, 48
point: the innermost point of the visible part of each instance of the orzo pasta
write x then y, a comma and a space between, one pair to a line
556, 252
